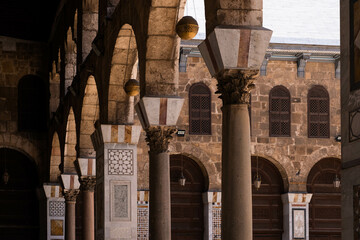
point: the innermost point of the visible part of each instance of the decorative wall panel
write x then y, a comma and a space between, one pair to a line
56, 209
121, 162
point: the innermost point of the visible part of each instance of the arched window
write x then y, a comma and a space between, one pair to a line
199, 109
32, 104
279, 112
318, 113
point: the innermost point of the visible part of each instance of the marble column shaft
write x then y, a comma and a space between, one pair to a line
159, 174
88, 186
70, 222
236, 156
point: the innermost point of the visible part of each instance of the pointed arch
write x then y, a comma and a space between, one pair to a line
70, 144
124, 57
55, 158
89, 114
70, 59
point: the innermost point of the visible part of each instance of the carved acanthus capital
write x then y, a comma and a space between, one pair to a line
71, 194
158, 138
88, 183
235, 86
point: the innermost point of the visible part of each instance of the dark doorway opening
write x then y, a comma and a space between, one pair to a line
325, 204
267, 203
19, 207
187, 210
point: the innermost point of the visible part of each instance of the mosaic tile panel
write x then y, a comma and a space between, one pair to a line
216, 222
143, 223
56, 209
121, 162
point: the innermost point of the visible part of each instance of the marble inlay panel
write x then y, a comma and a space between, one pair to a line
120, 202
299, 227
57, 227
121, 162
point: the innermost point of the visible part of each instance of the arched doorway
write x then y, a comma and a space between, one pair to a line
325, 204
267, 204
19, 207
187, 210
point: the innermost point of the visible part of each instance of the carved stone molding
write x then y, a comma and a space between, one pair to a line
71, 195
88, 183
158, 138
235, 86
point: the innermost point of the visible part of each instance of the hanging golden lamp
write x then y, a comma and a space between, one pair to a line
187, 28
132, 87
336, 181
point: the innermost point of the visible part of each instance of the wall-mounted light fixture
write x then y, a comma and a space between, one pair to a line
182, 179
257, 179
338, 138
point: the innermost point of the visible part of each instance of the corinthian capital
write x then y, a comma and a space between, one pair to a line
158, 138
71, 195
235, 85
88, 183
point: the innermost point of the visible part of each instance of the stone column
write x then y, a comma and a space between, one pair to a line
159, 181
116, 181
236, 68
296, 215
207, 200
158, 117
71, 191
88, 186
55, 212
87, 175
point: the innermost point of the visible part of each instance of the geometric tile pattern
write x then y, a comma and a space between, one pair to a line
142, 222
216, 222
120, 162
57, 209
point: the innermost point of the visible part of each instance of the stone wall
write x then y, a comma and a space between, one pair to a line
293, 156
19, 58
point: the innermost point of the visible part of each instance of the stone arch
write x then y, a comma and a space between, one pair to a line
210, 168
70, 144
70, 58
55, 158
20, 144
89, 114
89, 24
284, 174
123, 61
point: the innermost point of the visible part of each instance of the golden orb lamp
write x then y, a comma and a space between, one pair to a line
187, 28
132, 87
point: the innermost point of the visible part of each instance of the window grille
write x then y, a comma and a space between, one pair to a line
318, 113
199, 109
279, 112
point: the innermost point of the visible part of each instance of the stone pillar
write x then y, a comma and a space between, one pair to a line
55, 212
158, 117
89, 25
234, 55
71, 191
296, 215
116, 181
207, 200
87, 176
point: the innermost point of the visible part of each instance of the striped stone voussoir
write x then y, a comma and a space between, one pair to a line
159, 111
87, 167
106, 133
235, 48
53, 191
70, 182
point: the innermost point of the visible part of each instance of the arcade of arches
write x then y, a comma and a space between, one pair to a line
80, 159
